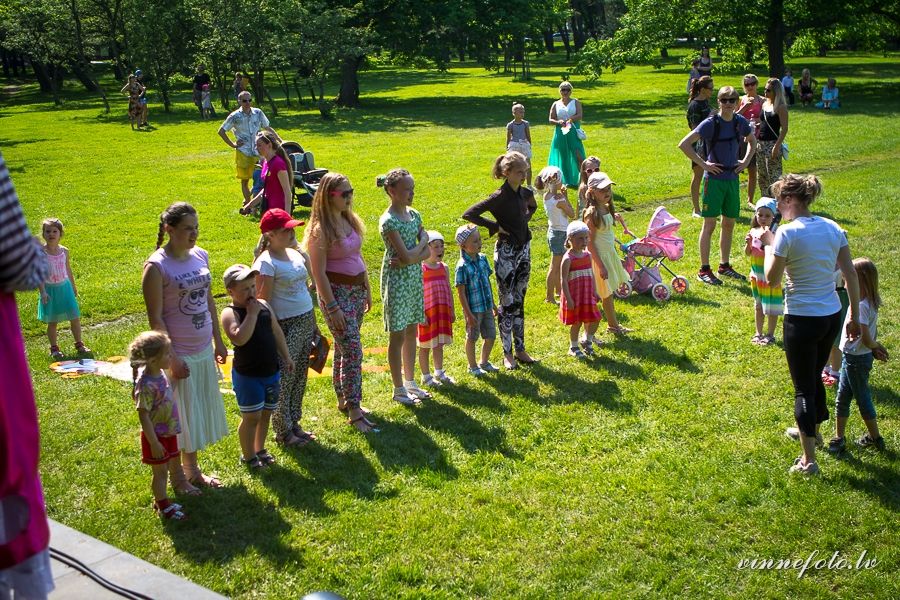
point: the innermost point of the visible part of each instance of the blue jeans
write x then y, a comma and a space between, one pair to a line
854, 383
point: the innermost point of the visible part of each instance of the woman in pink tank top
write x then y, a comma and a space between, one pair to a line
333, 240
177, 293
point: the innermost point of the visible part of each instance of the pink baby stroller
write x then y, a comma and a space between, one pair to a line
645, 256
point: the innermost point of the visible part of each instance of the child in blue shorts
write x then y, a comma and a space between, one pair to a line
258, 341
473, 287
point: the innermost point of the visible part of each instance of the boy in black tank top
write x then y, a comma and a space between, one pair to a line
258, 341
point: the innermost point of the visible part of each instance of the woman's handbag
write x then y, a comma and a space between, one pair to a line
318, 353
581, 134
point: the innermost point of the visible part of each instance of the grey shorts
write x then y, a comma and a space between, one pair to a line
484, 325
557, 242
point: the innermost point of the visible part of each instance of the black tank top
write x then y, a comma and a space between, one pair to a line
770, 126
259, 356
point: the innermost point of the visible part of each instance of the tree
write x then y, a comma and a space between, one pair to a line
161, 36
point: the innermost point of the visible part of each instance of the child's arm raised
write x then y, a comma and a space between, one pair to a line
240, 332
566, 206
748, 243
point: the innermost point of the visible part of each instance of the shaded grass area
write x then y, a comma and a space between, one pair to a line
648, 471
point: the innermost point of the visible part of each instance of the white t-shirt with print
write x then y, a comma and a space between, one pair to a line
290, 294
868, 316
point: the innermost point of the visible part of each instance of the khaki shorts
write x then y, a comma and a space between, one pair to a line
244, 165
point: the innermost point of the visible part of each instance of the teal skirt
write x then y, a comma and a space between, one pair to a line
62, 305
567, 153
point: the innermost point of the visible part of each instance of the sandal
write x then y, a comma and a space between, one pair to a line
265, 457
346, 409
170, 511
200, 480
306, 435
403, 397
253, 464
289, 440
757, 339
620, 330
526, 361
365, 423
182, 486
56, 354
766, 340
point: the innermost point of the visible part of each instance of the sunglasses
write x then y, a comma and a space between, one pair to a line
730, 100
589, 170
245, 101
345, 194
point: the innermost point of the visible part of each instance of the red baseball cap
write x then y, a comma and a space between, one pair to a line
276, 218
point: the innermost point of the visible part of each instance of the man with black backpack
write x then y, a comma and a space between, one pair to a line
720, 194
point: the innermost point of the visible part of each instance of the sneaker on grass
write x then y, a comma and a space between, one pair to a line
866, 441
727, 270
707, 277
837, 445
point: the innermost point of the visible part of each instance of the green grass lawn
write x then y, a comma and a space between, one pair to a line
649, 471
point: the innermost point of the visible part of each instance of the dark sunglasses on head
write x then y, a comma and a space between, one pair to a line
729, 100
345, 194
589, 170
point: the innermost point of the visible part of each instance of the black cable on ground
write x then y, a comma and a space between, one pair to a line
82, 568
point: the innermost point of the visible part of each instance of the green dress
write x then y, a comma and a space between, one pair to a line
566, 150
401, 288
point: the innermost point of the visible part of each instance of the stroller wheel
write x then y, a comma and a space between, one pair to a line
623, 291
679, 284
661, 292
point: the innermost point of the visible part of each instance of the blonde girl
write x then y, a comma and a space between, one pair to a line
857, 363
58, 294
609, 273
518, 136
405, 247
579, 291
158, 414
767, 298
333, 239
512, 207
559, 211
772, 131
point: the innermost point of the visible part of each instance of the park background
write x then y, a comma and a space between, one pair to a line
649, 471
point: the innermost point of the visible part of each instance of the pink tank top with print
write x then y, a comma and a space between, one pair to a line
186, 289
344, 256
58, 272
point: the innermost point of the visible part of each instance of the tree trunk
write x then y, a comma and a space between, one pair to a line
775, 38
282, 77
577, 32
297, 89
564, 34
40, 72
56, 81
348, 97
664, 53
548, 40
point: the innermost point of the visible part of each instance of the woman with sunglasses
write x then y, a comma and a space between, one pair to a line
722, 134
333, 240
246, 122
772, 131
566, 149
750, 107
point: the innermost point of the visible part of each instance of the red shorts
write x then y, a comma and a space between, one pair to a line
169, 443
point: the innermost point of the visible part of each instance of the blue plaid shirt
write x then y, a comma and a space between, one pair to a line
474, 274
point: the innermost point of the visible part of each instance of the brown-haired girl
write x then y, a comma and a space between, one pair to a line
177, 292
512, 207
333, 239
277, 175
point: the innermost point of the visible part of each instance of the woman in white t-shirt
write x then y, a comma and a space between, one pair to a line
283, 281
559, 211
805, 251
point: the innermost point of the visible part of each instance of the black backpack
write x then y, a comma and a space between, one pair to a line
717, 123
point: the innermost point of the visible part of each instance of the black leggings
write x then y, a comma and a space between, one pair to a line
807, 344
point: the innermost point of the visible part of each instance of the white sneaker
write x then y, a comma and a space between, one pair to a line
416, 392
404, 398
445, 379
476, 372
794, 434
804, 469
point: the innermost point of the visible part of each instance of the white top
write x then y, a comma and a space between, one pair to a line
245, 127
556, 218
290, 294
868, 316
810, 246
566, 112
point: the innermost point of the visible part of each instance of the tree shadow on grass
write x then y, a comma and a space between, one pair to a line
330, 469
9, 143
885, 395
570, 389
406, 447
467, 396
225, 523
653, 351
470, 433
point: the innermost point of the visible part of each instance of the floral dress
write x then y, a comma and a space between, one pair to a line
401, 288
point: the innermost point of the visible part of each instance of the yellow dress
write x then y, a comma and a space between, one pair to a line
605, 244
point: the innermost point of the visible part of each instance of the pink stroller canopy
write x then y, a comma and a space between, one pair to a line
663, 224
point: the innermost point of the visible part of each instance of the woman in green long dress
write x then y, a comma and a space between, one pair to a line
566, 149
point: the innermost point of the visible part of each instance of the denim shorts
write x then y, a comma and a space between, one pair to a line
484, 325
557, 241
256, 393
854, 383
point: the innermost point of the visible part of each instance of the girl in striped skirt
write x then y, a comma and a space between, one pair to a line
579, 292
768, 298
439, 313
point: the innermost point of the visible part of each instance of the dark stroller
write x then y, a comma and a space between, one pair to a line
306, 175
